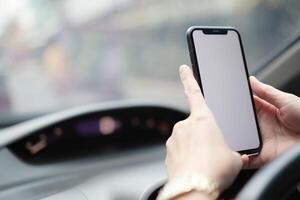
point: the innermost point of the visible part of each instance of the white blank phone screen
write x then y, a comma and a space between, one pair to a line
225, 87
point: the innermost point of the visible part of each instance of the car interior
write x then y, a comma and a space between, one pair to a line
89, 93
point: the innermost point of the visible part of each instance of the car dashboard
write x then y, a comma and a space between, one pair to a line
98, 133
116, 149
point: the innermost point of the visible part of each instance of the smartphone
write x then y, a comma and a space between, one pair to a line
219, 66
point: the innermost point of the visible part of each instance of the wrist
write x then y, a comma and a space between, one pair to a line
210, 175
188, 183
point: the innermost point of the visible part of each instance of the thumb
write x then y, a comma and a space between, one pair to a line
239, 161
269, 93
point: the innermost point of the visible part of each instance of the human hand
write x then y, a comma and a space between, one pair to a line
197, 144
278, 115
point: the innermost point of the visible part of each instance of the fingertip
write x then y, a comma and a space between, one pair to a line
253, 78
253, 81
245, 160
257, 100
191, 88
255, 84
268, 93
183, 68
184, 65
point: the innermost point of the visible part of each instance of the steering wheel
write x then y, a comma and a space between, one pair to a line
278, 180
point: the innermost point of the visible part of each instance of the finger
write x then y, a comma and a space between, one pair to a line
255, 162
246, 161
262, 105
258, 103
238, 164
268, 93
239, 159
252, 161
192, 90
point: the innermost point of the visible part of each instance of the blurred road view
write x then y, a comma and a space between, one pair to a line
60, 54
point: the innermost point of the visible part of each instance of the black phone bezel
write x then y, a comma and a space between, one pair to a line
193, 57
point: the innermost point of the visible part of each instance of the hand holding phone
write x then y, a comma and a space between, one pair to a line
219, 66
194, 137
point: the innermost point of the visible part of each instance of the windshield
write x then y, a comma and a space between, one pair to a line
61, 54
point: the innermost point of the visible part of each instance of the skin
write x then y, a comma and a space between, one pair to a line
278, 116
200, 135
197, 144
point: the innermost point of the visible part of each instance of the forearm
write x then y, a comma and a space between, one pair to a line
193, 196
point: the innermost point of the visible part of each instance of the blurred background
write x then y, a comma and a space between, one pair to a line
56, 54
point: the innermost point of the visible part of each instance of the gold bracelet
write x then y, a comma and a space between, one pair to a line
187, 183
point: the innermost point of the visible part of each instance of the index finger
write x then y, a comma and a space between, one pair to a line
192, 90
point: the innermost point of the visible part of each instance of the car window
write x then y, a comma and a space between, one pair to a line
61, 54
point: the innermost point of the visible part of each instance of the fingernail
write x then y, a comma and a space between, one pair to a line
182, 68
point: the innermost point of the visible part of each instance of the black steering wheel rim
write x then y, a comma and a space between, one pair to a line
275, 180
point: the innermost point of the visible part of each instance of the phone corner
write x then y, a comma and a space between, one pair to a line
235, 30
252, 151
190, 30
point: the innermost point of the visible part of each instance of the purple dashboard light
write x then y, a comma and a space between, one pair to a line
105, 126
88, 127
